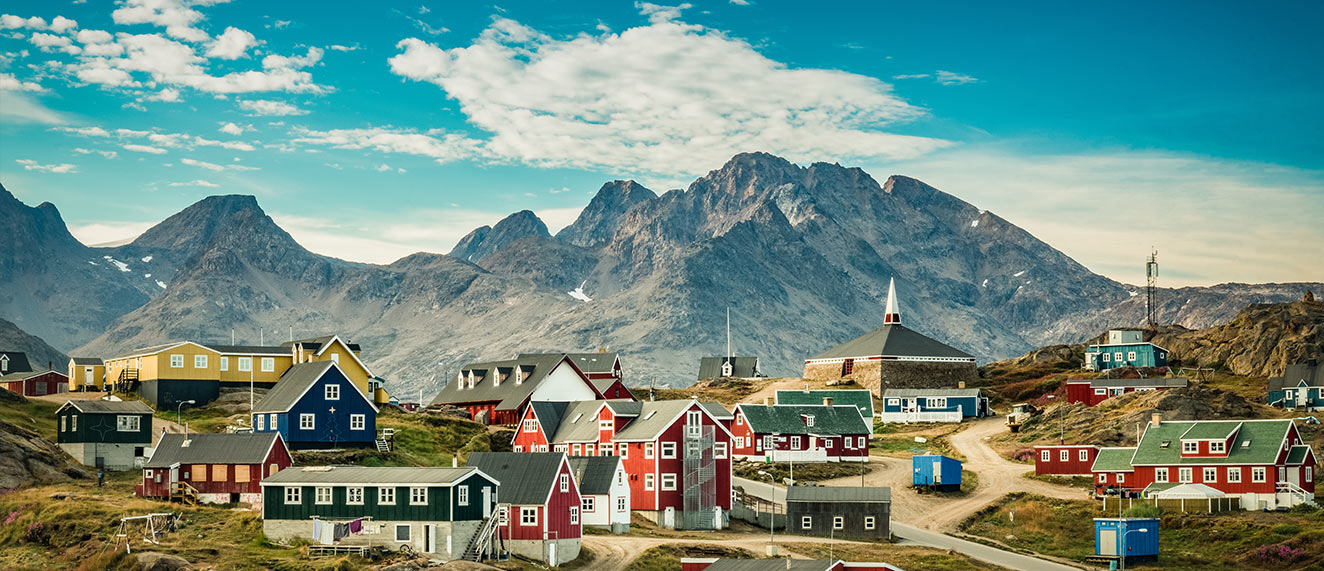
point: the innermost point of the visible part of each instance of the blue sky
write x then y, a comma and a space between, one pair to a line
372, 130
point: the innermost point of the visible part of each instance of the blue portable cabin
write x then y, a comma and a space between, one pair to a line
315, 406
937, 473
1134, 538
933, 405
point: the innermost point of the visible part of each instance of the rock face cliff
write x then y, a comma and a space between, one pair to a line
40, 354
801, 254
1260, 340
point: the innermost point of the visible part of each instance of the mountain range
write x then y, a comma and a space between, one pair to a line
801, 255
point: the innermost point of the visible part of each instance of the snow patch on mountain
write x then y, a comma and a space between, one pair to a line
121, 265
579, 294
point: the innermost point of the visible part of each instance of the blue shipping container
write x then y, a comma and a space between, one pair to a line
1137, 538
938, 472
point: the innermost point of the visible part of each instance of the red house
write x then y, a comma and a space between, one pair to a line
666, 448
1094, 391
800, 433
498, 392
1263, 462
538, 508
213, 468
35, 383
1065, 460
604, 371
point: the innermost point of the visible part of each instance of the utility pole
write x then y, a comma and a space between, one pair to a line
1151, 290
728, 334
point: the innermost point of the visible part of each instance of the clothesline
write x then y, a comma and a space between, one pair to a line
329, 532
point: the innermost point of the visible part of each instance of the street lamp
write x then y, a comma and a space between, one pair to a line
772, 513
179, 411
1124, 534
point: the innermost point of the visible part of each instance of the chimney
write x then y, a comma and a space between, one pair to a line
827, 401
455, 461
1155, 419
767, 401
960, 384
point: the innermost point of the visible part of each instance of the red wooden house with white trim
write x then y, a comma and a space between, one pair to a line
35, 383
666, 448
213, 468
1065, 459
538, 504
800, 433
1094, 391
1263, 462
498, 392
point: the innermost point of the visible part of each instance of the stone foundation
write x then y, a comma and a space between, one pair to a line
539, 550
451, 537
115, 456
878, 376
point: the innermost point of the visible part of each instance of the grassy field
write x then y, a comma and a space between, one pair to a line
903, 556
898, 440
667, 557
1239, 540
804, 472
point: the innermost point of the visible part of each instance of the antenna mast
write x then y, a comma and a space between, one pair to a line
728, 333
1151, 290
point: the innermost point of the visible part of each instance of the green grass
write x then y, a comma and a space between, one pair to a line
667, 557
804, 472
1082, 482
903, 556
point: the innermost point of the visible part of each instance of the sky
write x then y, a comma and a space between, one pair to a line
373, 130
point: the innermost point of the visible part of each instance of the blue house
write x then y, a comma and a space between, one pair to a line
1125, 348
1134, 539
1300, 388
936, 473
315, 406
933, 405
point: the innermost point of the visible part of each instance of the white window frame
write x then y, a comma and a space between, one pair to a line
795, 443
607, 425
893, 402
1161, 475
244, 364
1117, 356
176, 361
322, 495
293, 495
1218, 447
268, 364
1206, 477
1190, 447
358, 422
1130, 355
462, 495
1045, 455
1084, 455
693, 418
199, 361
1121, 477
586, 504
719, 450
806, 522
870, 522
574, 515
260, 420
225, 363
409, 533
128, 423
418, 496
625, 450
307, 421
272, 421
669, 482
1259, 474
935, 402
621, 505
503, 515
528, 516
648, 450
740, 420
1064, 455
1106, 357
1186, 475
530, 425
565, 483
1103, 478
669, 450
354, 496
386, 495
838, 522
73, 423
1234, 475
648, 482
331, 391
1101, 391
62, 428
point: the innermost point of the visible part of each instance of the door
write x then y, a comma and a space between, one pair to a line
937, 472
87, 376
429, 538
487, 502
1294, 476
174, 475
669, 518
1107, 542
551, 553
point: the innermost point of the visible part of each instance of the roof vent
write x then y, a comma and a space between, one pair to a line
318, 468
650, 414
1245, 443
577, 417
1165, 444
185, 443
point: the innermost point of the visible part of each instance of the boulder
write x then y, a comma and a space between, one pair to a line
153, 561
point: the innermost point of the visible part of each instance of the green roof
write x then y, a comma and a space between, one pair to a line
859, 398
1113, 460
1210, 431
1297, 455
1257, 442
786, 419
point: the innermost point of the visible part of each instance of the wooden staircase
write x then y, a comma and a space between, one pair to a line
382, 445
183, 493
478, 543
1296, 492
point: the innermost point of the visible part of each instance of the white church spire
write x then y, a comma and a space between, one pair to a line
893, 316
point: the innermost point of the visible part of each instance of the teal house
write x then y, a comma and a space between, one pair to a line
1125, 348
113, 435
1300, 388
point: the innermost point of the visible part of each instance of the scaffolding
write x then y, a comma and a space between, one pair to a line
700, 478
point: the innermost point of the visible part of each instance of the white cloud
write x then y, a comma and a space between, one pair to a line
233, 44
94, 37
61, 25
449, 147
12, 22
10, 83
17, 107
29, 164
740, 2
340, 48
107, 154
232, 145
668, 98
911, 76
658, 13
952, 78
109, 232
232, 129
198, 182
144, 149
50, 42
167, 95
85, 131
1212, 220
293, 62
202, 164
268, 107
176, 16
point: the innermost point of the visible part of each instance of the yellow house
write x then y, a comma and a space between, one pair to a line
86, 374
174, 373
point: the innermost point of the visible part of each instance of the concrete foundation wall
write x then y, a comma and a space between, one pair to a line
117, 456
459, 533
539, 550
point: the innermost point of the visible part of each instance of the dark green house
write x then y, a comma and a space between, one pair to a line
442, 512
105, 434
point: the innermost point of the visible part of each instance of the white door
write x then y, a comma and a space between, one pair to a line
551, 554
87, 375
937, 472
669, 518
1107, 542
487, 502
1294, 476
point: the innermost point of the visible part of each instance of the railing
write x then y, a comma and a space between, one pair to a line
474, 551
1296, 492
183, 492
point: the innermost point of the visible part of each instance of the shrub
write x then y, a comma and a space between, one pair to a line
1281, 553
1143, 510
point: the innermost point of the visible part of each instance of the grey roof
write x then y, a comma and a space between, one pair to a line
788, 419
741, 367
509, 394
296, 381
656, 416
315, 343
838, 494
526, 478
893, 340
18, 361
369, 475
625, 407
568, 421
717, 410
25, 375
1146, 382
1293, 375
859, 398
108, 407
87, 360
594, 362
894, 393
253, 349
594, 473
250, 448
774, 564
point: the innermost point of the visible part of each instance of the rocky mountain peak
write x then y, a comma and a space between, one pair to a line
598, 221
200, 222
486, 240
34, 234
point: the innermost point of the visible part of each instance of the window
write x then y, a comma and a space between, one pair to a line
418, 496
692, 418
530, 425
719, 451
625, 449
73, 423
1257, 474
893, 402
606, 425
869, 522
245, 364
528, 516
322, 496
199, 361
1084, 455
827, 443
127, 423
936, 402
648, 481
1064, 455
838, 522
332, 391
354, 496
62, 424
518, 448
1210, 475
740, 420
586, 503
1117, 356
574, 515
648, 450
503, 516
1130, 355
199, 473
1310, 474
1186, 475
335, 358
1234, 475
1217, 447
462, 495
1121, 478
357, 422
1103, 478
862, 442
847, 367
668, 482
176, 361
272, 421
1105, 357
806, 522
588, 449
386, 496
225, 363
293, 495
621, 505
565, 483
306, 421
261, 421
268, 364
1189, 447
220, 472
1161, 475
402, 532
1101, 391
795, 443
668, 449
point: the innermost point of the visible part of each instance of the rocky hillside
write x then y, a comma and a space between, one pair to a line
40, 354
26, 457
1260, 341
